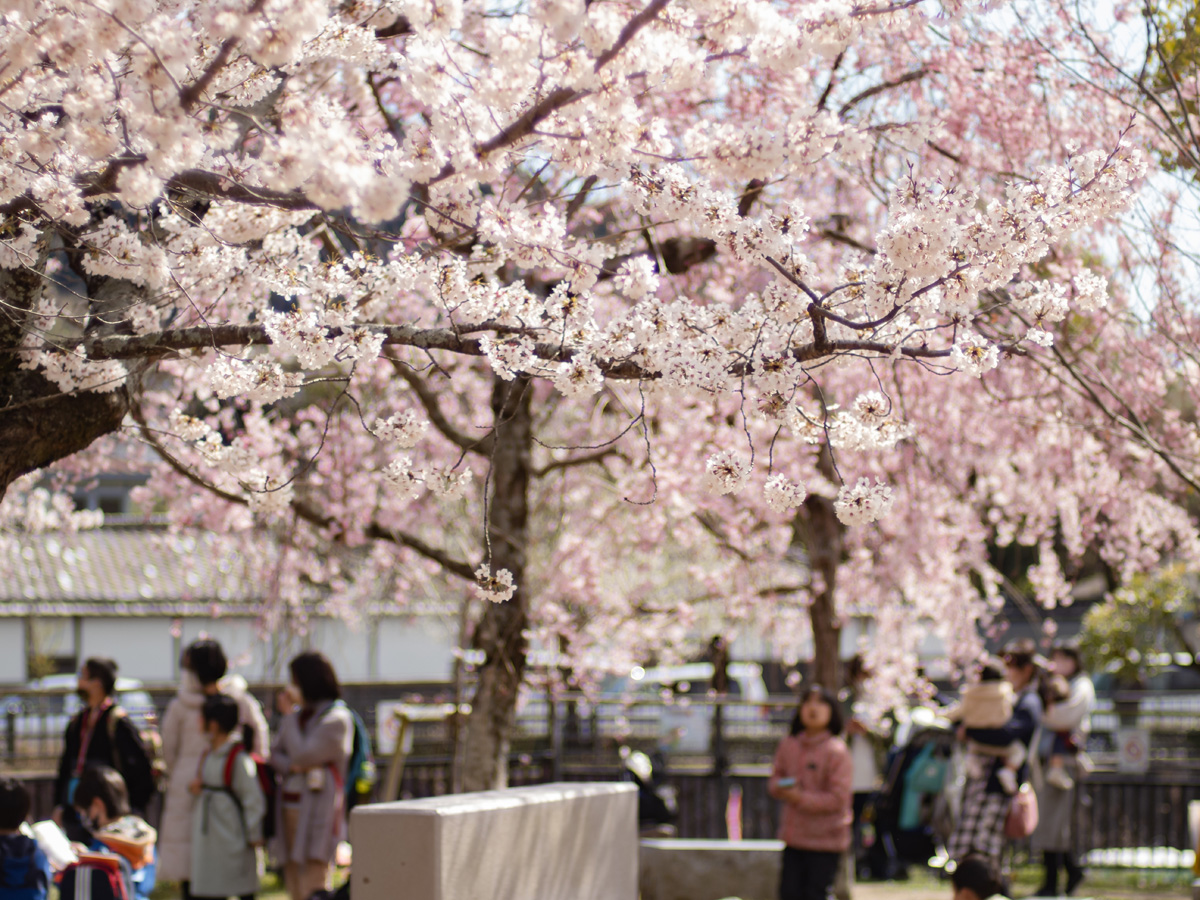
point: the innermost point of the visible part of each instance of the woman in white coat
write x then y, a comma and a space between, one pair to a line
1056, 803
184, 745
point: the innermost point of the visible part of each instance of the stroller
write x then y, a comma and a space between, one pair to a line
912, 814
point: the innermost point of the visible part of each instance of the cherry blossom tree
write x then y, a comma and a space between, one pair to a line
521, 294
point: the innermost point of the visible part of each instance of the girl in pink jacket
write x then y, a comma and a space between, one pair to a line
813, 777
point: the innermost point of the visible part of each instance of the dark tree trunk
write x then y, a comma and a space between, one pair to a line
40, 425
817, 529
501, 633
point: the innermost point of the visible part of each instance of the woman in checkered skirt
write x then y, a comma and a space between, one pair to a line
985, 803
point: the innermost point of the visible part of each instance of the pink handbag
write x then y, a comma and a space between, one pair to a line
1022, 814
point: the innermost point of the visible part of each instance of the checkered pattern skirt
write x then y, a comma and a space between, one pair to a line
980, 827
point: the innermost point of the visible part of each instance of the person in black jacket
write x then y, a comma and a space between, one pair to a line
101, 732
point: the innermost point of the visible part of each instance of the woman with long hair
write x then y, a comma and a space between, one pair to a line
813, 776
311, 754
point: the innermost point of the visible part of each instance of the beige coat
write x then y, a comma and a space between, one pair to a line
183, 747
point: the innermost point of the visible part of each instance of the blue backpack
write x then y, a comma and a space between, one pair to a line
22, 874
360, 773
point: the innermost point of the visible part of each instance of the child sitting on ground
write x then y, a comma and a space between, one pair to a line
988, 703
102, 801
1055, 689
227, 820
24, 868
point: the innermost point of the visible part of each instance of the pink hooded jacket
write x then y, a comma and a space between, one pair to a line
820, 819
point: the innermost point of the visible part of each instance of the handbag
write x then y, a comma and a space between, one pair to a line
1022, 814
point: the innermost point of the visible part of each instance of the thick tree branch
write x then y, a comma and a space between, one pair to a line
556, 100
872, 91
482, 445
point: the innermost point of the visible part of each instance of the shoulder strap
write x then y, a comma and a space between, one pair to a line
227, 779
115, 714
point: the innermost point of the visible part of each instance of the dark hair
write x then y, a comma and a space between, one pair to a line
206, 660
103, 670
976, 873
313, 673
856, 668
1053, 689
836, 722
106, 783
1071, 651
222, 709
1021, 653
14, 804
990, 672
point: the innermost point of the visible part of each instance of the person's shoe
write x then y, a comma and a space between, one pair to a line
1060, 779
1008, 780
1074, 879
1045, 891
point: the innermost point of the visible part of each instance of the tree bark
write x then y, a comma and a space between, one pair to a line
818, 531
38, 423
501, 633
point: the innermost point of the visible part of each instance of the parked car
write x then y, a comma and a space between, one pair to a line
672, 704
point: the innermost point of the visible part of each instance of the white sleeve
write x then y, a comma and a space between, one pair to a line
1070, 713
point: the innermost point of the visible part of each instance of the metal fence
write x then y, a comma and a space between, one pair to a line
576, 738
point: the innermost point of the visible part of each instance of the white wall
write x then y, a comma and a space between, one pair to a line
249, 653
12, 651
142, 648
415, 649
347, 646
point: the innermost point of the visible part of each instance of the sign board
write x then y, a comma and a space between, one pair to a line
389, 713
1133, 750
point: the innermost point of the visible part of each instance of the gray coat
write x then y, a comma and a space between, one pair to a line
324, 742
223, 862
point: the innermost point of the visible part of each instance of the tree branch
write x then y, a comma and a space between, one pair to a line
481, 445
303, 511
573, 461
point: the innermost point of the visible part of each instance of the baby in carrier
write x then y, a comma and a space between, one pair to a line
988, 703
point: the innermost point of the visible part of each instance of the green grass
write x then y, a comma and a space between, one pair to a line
270, 888
1110, 884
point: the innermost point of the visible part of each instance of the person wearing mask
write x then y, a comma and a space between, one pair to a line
1065, 726
813, 776
985, 803
204, 667
101, 733
311, 753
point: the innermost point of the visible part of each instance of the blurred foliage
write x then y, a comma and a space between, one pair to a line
1149, 617
1173, 55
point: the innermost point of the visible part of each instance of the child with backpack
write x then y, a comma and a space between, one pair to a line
227, 820
101, 802
24, 868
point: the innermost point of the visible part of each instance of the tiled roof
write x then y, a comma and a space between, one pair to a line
129, 570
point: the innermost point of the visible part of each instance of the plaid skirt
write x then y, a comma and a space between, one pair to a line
980, 827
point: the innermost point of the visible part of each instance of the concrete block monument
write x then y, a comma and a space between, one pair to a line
546, 842
709, 870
